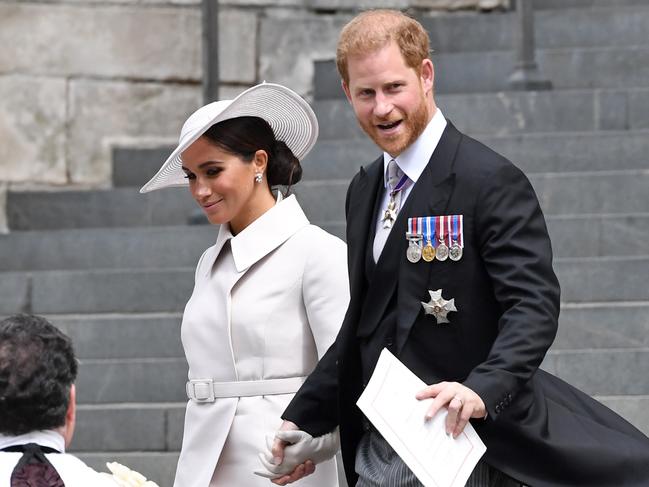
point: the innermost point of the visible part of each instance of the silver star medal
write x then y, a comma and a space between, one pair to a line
438, 306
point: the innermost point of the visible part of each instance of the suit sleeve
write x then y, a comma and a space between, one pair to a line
315, 406
516, 251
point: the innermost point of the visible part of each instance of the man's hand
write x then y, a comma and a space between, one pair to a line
302, 470
462, 404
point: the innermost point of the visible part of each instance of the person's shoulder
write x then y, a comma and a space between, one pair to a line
480, 158
317, 237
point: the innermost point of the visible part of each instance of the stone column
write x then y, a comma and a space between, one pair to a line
526, 75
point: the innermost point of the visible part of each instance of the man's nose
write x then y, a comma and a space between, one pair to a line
382, 106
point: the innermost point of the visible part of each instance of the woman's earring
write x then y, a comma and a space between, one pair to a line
259, 177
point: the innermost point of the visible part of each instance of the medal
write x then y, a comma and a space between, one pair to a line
428, 252
438, 306
442, 248
455, 252
413, 253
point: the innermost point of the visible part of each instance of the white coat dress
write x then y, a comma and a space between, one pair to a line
267, 304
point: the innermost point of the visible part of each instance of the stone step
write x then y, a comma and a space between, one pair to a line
603, 325
560, 4
117, 336
563, 24
99, 248
131, 380
480, 72
157, 466
571, 152
121, 207
561, 193
161, 247
509, 112
129, 426
583, 280
602, 372
566, 194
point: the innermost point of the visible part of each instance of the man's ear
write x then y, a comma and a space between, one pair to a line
348, 93
427, 75
70, 416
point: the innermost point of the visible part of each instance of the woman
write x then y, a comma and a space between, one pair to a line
269, 297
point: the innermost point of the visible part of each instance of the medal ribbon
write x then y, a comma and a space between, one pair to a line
442, 233
455, 234
400, 185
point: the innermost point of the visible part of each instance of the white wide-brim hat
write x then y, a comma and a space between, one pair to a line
290, 117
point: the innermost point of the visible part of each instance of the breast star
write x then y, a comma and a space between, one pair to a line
438, 306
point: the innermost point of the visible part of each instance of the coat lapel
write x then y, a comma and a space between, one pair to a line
360, 213
430, 197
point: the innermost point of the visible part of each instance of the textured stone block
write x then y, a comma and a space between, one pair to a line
4, 225
288, 48
638, 107
599, 235
103, 113
122, 428
32, 128
602, 372
111, 291
15, 290
132, 381
133, 167
123, 336
175, 427
105, 248
608, 326
123, 207
323, 202
603, 280
572, 194
237, 46
101, 41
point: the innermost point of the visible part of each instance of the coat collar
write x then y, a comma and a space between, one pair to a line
264, 235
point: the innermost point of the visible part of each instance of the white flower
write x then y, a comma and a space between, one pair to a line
125, 477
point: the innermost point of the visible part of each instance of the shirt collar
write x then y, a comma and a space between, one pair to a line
413, 160
49, 438
263, 235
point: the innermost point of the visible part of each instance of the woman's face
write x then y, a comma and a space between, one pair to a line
223, 184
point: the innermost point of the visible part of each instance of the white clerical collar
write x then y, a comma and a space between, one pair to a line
49, 438
414, 159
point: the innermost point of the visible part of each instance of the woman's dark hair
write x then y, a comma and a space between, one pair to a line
37, 369
243, 136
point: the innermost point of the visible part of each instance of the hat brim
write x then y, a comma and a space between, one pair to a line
291, 118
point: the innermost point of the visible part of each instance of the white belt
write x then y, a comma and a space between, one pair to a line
206, 390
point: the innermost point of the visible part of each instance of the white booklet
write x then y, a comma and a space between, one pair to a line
389, 402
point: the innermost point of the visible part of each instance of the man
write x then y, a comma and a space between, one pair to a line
469, 303
38, 407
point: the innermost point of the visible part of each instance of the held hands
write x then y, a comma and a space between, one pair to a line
462, 404
294, 453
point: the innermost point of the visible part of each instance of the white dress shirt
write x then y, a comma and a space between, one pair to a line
412, 162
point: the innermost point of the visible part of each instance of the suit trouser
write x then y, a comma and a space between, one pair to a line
378, 465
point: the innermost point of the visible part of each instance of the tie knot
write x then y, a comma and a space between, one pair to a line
394, 173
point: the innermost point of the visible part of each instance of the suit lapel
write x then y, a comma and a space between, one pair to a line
430, 197
359, 221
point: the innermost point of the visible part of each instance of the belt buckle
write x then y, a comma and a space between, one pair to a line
201, 390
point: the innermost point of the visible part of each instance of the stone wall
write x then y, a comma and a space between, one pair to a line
78, 77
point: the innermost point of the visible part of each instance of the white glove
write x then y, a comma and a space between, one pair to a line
302, 447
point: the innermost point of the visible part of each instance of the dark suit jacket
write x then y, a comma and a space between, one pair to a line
539, 429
